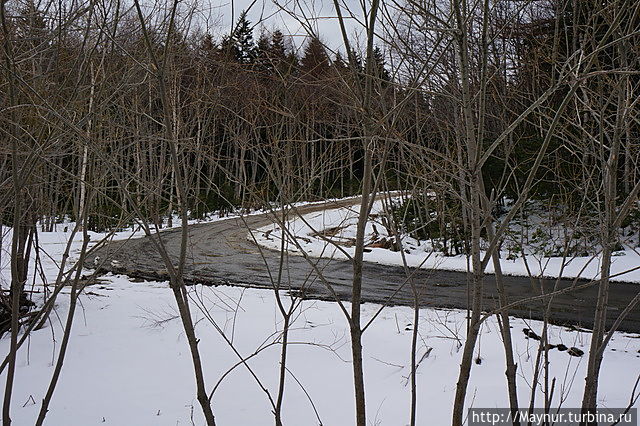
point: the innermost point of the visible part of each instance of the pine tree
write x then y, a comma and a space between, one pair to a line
379, 70
239, 46
292, 63
243, 39
315, 61
284, 63
357, 59
263, 61
277, 50
228, 49
339, 64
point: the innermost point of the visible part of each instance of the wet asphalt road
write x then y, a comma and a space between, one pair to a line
220, 253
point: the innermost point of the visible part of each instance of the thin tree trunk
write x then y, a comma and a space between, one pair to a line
16, 284
177, 284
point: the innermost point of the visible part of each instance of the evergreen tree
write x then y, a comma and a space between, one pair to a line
228, 49
239, 46
285, 63
243, 38
315, 61
339, 64
292, 63
357, 58
379, 70
277, 50
263, 61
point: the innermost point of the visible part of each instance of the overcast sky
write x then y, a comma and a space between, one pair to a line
286, 15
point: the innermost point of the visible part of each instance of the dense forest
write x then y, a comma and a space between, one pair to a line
242, 109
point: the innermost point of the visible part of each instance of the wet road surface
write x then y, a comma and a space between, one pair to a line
220, 253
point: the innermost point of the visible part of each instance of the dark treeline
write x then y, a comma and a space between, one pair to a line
237, 104
251, 103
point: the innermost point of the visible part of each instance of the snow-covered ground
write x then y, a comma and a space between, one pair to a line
329, 234
128, 362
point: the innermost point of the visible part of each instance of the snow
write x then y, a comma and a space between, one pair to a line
128, 362
341, 224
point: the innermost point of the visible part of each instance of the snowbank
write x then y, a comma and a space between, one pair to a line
313, 232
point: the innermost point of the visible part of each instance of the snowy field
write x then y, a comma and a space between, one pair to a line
128, 362
329, 234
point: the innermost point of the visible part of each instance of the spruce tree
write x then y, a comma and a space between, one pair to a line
315, 61
243, 39
239, 46
379, 70
277, 51
263, 61
284, 63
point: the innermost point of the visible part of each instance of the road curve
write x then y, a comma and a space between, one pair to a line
220, 253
